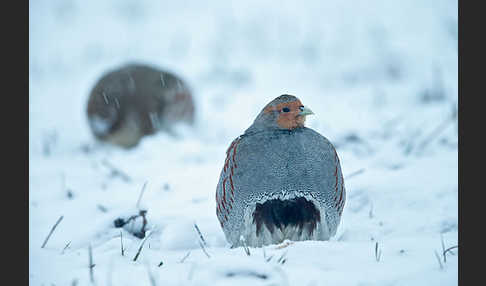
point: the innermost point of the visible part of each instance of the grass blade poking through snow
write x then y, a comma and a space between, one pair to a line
185, 257
203, 249
202, 242
121, 244
283, 258
141, 245
141, 194
267, 259
449, 249
52, 230
91, 265
438, 259
444, 250
65, 247
377, 252
443, 247
200, 234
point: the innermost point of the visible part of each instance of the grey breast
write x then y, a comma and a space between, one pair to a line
282, 160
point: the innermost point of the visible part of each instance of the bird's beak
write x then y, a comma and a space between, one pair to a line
306, 111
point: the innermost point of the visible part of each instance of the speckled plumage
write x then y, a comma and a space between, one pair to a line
269, 162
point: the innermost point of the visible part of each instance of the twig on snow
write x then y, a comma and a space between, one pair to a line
52, 230
449, 249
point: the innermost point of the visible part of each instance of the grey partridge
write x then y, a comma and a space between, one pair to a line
136, 100
280, 180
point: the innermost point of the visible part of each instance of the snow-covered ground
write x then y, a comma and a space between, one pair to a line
380, 76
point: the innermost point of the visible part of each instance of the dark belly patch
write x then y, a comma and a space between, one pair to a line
276, 213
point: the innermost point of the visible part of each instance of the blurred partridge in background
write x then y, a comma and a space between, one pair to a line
136, 100
280, 180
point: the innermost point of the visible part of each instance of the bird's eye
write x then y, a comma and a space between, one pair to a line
285, 109
301, 108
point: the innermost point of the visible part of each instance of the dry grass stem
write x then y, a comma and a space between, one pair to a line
52, 230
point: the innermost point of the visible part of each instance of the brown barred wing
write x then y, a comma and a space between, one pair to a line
225, 191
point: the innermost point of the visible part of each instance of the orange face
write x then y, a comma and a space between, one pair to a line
288, 117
